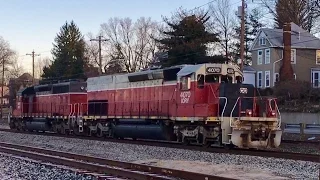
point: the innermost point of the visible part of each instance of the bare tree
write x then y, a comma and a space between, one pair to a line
225, 23
130, 41
14, 69
304, 13
92, 50
40, 64
6, 57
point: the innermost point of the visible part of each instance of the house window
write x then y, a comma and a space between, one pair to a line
267, 56
262, 41
318, 57
259, 57
315, 78
276, 78
294, 76
259, 79
267, 78
293, 56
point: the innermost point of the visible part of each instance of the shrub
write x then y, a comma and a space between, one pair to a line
293, 89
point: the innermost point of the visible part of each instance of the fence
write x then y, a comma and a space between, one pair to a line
310, 129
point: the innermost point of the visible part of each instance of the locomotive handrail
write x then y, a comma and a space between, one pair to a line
225, 105
71, 109
276, 106
279, 119
235, 104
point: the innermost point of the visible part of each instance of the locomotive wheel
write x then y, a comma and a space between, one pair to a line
185, 141
55, 128
76, 130
62, 131
99, 133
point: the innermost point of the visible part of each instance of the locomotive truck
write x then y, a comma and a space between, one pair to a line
204, 104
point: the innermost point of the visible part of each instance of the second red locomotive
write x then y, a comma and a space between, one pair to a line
205, 104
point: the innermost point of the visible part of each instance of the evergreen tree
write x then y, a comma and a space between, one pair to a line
186, 40
68, 54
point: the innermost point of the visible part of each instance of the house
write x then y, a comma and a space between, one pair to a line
16, 84
267, 54
249, 75
5, 98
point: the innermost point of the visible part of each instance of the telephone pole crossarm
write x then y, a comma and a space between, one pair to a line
33, 55
100, 56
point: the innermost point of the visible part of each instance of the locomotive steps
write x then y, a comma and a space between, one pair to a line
106, 169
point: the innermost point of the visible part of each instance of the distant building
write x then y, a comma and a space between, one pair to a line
267, 54
249, 75
5, 99
16, 84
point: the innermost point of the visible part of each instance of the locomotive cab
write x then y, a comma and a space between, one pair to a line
216, 93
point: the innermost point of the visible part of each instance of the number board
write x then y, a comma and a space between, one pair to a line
230, 71
213, 70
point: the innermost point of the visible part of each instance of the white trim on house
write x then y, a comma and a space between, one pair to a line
267, 79
262, 41
259, 57
293, 56
315, 82
257, 40
259, 81
267, 56
318, 57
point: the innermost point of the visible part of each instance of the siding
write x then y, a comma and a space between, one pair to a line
306, 59
275, 55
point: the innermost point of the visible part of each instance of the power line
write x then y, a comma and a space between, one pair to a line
33, 54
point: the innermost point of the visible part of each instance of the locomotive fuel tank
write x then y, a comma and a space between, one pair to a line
38, 124
138, 129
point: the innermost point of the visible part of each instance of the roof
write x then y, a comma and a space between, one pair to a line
248, 69
189, 69
300, 38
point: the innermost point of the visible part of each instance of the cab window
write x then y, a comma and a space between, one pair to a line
185, 83
212, 78
226, 79
200, 81
239, 79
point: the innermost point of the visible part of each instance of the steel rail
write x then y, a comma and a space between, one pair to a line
101, 165
169, 144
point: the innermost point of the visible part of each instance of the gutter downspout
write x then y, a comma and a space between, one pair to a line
273, 70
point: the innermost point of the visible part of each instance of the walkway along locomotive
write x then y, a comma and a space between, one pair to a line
205, 104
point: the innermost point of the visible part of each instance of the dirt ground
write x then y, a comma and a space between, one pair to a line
230, 171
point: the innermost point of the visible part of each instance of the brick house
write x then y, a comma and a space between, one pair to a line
267, 54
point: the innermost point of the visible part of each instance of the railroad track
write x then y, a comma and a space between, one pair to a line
250, 152
106, 169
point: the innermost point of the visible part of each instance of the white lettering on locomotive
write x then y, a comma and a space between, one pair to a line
185, 96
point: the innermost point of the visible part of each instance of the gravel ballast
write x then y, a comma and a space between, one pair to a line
12, 167
135, 153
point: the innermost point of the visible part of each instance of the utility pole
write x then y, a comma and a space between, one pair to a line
100, 56
2, 82
242, 35
33, 54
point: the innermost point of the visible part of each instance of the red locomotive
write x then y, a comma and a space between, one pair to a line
205, 104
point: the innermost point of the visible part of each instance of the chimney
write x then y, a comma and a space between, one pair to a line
286, 71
